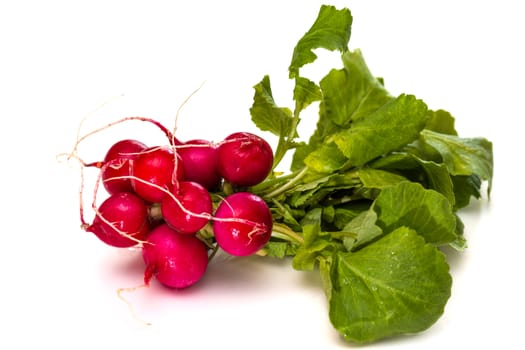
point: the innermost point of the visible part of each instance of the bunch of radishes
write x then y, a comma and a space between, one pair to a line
170, 200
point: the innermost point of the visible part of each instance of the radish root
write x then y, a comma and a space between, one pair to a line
120, 295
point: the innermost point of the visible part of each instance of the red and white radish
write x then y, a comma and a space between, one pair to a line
117, 165
199, 160
176, 260
244, 159
188, 208
242, 224
155, 171
121, 220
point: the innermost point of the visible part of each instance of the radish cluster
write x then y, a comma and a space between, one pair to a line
171, 202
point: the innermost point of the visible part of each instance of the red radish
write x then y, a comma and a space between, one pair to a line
244, 159
242, 224
121, 221
189, 209
117, 165
199, 158
155, 171
175, 260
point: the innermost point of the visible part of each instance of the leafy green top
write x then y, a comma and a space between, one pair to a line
373, 193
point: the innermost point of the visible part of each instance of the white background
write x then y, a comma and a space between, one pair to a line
61, 61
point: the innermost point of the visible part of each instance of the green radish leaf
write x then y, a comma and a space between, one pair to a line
463, 156
314, 243
376, 178
331, 30
397, 285
279, 249
438, 178
441, 121
326, 159
426, 211
431, 174
266, 115
348, 94
305, 93
351, 93
389, 128
466, 187
365, 229
347, 212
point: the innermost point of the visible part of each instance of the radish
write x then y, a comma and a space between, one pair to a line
244, 159
176, 260
242, 224
117, 165
155, 171
189, 209
121, 220
199, 159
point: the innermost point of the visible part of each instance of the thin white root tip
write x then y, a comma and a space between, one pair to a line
120, 291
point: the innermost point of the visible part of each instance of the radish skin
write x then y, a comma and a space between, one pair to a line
176, 260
